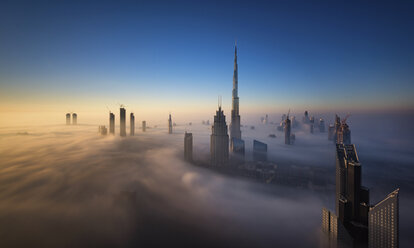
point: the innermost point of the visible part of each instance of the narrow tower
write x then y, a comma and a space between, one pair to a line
235, 117
188, 146
169, 125
132, 124
111, 123
287, 129
74, 119
144, 126
122, 121
67, 119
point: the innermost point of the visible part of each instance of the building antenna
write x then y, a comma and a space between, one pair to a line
219, 101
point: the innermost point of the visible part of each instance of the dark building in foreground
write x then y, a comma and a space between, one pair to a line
122, 121
259, 151
111, 123
68, 119
188, 146
352, 200
373, 226
132, 124
383, 222
219, 140
74, 119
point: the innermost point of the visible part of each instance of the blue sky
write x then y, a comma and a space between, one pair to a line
291, 53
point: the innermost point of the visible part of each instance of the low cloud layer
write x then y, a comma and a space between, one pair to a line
67, 186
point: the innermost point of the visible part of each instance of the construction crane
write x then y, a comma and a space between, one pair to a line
346, 117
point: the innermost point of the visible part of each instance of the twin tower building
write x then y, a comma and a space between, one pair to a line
219, 139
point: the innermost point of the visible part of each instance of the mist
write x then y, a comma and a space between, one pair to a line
67, 186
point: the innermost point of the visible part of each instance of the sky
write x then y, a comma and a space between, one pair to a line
158, 57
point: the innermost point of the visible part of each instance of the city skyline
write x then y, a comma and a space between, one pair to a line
206, 124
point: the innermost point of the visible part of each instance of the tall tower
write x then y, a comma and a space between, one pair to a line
74, 119
188, 146
111, 123
219, 140
169, 125
123, 122
67, 119
132, 124
287, 130
235, 117
144, 126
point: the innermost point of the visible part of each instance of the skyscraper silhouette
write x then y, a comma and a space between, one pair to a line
287, 130
111, 123
144, 126
74, 119
219, 140
235, 132
68, 119
132, 124
188, 146
122, 122
170, 130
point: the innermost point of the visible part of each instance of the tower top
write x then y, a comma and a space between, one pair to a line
219, 101
235, 48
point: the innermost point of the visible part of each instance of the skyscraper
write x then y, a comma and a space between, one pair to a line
132, 124
337, 128
68, 119
235, 131
111, 123
188, 146
344, 134
312, 124
321, 125
287, 130
306, 117
331, 132
375, 225
170, 125
74, 119
122, 121
352, 199
144, 126
383, 222
219, 140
